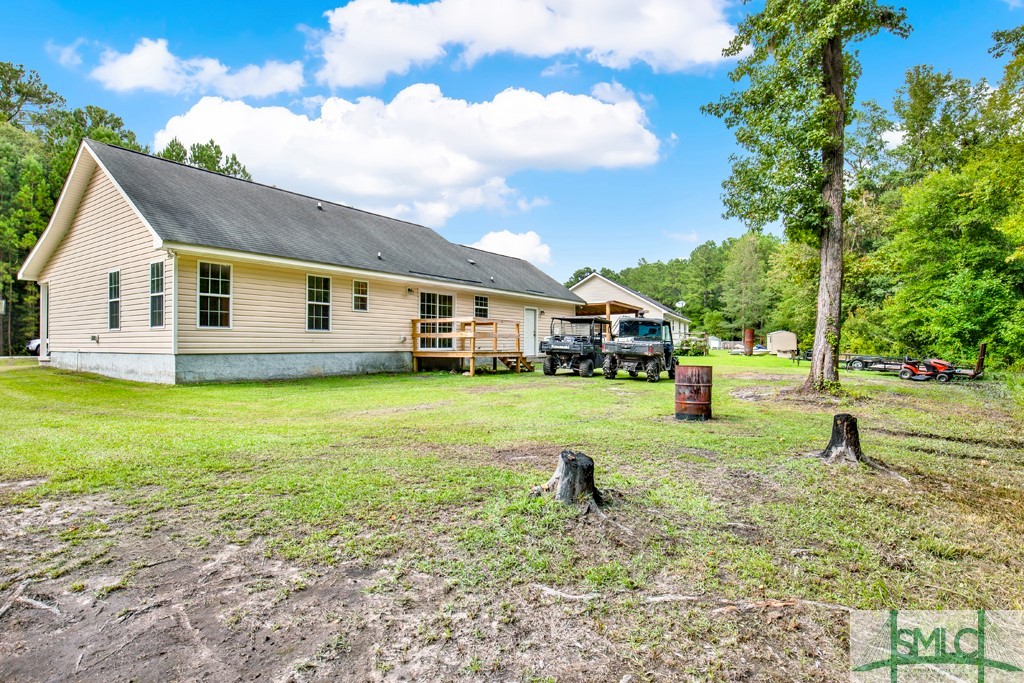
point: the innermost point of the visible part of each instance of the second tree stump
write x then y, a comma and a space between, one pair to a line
573, 480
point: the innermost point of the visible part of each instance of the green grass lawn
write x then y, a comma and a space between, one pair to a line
422, 483
434, 470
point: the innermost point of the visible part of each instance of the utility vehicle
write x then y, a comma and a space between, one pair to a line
640, 344
575, 344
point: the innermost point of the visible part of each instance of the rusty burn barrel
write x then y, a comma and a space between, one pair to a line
693, 392
748, 342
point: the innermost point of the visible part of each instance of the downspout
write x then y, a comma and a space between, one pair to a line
174, 313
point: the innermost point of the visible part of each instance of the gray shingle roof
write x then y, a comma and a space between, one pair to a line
191, 206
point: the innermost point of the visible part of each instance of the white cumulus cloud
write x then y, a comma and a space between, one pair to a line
66, 55
893, 138
422, 156
370, 39
681, 236
560, 68
151, 66
612, 93
524, 245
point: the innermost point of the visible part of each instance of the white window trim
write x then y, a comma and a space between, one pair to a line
231, 295
488, 306
330, 304
419, 311
120, 310
367, 295
163, 293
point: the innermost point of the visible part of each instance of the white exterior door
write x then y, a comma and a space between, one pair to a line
530, 331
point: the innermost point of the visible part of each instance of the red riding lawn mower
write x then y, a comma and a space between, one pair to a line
940, 370
929, 368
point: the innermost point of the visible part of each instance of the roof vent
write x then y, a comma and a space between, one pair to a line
320, 206
379, 257
471, 262
492, 278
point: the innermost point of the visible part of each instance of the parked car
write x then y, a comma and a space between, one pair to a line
33, 347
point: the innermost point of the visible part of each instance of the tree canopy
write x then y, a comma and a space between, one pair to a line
790, 116
933, 245
38, 142
23, 95
206, 155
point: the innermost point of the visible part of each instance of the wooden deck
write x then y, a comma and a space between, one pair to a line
469, 338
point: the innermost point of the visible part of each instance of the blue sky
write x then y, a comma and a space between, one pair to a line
565, 131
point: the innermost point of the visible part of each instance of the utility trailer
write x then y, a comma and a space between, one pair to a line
875, 363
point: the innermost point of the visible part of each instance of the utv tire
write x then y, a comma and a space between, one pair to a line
609, 367
672, 370
586, 368
906, 374
942, 378
653, 370
550, 365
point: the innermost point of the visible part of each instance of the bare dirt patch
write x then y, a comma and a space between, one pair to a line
769, 377
755, 393
397, 410
97, 590
127, 604
7, 487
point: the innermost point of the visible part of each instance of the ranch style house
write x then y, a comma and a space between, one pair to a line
155, 271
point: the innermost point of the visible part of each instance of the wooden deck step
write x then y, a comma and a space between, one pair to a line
510, 363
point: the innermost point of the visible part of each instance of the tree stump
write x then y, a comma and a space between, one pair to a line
844, 447
573, 480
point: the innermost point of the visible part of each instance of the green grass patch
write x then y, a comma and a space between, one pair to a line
434, 470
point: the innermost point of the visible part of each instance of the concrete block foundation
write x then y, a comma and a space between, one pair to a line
263, 366
156, 368
182, 369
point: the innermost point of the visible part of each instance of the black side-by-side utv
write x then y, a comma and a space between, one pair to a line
575, 344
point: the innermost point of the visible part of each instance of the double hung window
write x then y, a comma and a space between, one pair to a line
318, 303
214, 295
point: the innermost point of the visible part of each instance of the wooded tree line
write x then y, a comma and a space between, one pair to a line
934, 242
39, 138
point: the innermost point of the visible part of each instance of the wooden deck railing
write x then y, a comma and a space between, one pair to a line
469, 338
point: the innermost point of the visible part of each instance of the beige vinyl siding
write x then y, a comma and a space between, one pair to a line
268, 311
506, 307
105, 235
596, 290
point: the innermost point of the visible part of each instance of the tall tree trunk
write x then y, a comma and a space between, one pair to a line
825, 356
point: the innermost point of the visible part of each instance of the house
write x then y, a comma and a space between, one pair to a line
596, 288
159, 272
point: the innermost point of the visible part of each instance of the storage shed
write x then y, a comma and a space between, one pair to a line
782, 343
